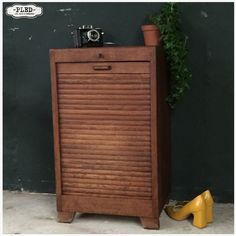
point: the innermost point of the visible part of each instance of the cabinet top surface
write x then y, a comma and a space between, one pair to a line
115, 49
107, 48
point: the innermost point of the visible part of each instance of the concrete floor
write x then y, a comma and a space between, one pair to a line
36, 213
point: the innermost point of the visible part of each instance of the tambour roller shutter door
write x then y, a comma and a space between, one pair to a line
104, 128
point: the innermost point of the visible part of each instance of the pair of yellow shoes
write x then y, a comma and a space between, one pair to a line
200, 207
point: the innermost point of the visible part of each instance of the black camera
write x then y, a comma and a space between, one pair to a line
87, 36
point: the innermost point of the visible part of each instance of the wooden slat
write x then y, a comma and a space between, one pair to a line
110, 182
107, 172
117, 147
78, 160
106, 107
108, 129
100, 177
102, 117
95, 77
101, 151
102, 97
107, 196
100, 186
104, 112
103, 102
110, 137
94, 157
118, 124
105, 132
105, 191
104, 91
102, 80
144, 144
140, 86
105, 167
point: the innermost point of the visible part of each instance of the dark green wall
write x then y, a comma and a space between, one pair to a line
202, 124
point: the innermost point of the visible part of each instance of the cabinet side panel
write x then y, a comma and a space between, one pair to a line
163, 131
55, 128
154, 148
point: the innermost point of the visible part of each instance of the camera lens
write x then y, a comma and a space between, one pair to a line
93, 35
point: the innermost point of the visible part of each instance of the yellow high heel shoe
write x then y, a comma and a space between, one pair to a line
197, 207
209, 204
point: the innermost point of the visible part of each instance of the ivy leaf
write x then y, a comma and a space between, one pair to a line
174, 43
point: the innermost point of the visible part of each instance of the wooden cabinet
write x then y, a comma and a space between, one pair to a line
111, 131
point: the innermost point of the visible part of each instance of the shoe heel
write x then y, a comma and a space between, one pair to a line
199, 219
209, 214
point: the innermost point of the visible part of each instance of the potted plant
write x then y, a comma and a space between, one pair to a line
151, 35
174, 43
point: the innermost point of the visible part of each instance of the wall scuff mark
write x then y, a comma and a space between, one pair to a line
64, 9
204, 14
14, 29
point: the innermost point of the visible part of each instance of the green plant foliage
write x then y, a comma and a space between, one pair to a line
174, 43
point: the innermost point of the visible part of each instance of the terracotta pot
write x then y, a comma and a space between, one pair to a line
151, 35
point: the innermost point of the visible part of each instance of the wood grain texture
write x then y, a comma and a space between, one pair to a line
110, 118
154, 147
65, 216
108, 54
150, 222
112, 67
102, 205
164, 124
55, 128
107, 137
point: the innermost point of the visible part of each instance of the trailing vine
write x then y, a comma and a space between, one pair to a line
174, 43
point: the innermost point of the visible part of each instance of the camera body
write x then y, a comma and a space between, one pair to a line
87, 36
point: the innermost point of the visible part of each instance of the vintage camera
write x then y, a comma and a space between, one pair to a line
87, 36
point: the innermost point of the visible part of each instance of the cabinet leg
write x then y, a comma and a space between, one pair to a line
65, 217
150, 223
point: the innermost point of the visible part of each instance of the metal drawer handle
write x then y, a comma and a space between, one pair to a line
102, 67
